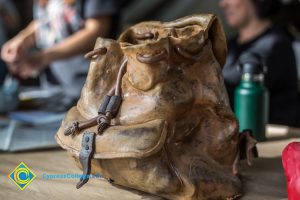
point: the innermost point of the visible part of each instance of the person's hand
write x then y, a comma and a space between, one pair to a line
31, 66
35, 63
14, 50
23, 70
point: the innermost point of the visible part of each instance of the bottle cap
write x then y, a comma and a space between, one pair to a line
251, 63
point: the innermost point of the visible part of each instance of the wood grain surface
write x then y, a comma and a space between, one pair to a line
264, 181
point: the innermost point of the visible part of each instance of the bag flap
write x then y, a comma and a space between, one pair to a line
134, 141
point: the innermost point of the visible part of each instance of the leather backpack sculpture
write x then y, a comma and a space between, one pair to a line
154, 114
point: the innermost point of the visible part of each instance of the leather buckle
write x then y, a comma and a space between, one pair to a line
85, 157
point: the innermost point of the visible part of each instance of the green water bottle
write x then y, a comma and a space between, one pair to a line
251, 97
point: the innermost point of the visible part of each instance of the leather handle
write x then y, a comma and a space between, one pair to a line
96, 52
144, 36
184, 53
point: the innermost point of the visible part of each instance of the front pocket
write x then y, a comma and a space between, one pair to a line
131, 141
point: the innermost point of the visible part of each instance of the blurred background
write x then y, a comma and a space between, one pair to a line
38, 40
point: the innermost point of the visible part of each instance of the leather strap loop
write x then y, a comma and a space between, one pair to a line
96, 52
144, 36
149, 59
184, 53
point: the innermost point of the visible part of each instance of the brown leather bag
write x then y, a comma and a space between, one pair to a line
164, 125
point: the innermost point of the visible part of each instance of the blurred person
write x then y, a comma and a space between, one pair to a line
258, 33
62, 32
290, 18
9, 22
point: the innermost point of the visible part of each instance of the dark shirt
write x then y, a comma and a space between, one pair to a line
98, 8
281, 78
3, 72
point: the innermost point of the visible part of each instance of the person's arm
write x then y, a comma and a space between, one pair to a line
28, 34
98, 15
16, 48
98, 18
80, 42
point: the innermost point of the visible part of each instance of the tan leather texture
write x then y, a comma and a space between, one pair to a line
135, 141
174, 134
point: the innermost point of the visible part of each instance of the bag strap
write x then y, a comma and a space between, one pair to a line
110, 105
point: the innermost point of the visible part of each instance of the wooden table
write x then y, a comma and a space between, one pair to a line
264, 181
